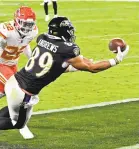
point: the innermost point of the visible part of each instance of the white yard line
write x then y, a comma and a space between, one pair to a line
96, 9
102, 104
102, 20
110, 35
132, 57
128, 64
130, 147
8, 4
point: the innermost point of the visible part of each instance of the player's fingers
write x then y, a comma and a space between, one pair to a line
126, 50
119, 49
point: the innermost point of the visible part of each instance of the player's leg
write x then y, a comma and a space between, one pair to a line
4, 112
5, 73
46, 10
25, 132
55, 7
3, 80
19, 114
5, 123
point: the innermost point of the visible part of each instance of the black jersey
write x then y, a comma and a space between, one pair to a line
47, 63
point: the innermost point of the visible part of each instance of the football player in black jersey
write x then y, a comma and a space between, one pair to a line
54, 54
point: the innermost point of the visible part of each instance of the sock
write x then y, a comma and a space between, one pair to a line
46, 8
4, 112
55, 8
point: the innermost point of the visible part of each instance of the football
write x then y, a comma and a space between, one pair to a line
115, 42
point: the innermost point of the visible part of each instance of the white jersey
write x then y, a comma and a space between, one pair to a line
12, 44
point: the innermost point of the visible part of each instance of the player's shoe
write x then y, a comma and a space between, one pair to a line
49, 3
26, 133
47, 18
55, 16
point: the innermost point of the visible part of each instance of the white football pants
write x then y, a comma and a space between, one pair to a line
20, 105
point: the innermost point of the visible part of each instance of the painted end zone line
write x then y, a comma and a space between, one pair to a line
102, 104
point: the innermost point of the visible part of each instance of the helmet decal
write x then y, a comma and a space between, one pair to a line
65, 23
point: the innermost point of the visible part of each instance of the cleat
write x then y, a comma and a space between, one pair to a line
26, 133
47, 18
55, 16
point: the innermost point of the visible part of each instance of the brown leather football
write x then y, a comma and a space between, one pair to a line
115, 42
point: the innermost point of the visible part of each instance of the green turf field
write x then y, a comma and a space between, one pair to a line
100, 128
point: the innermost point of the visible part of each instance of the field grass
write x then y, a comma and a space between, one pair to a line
107, 128
98, 128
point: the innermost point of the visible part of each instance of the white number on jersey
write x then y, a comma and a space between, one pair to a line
45, 65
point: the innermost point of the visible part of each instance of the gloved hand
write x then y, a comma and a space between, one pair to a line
34, 100
120, 55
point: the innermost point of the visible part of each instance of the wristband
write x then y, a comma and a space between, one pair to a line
112, 62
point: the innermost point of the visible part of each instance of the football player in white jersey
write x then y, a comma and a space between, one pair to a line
15, 37
46, 3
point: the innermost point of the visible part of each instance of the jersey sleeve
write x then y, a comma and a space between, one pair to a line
71, 51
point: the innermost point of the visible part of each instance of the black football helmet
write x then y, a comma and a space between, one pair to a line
62, 27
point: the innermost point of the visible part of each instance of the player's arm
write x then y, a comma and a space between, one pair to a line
72, 69
84, 65
27, 51
2, 44
80, 64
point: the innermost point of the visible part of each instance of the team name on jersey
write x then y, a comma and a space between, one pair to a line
48, 45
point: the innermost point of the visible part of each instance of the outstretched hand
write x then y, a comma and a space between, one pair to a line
121, 55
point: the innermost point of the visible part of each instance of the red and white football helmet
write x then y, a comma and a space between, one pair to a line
24, 20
